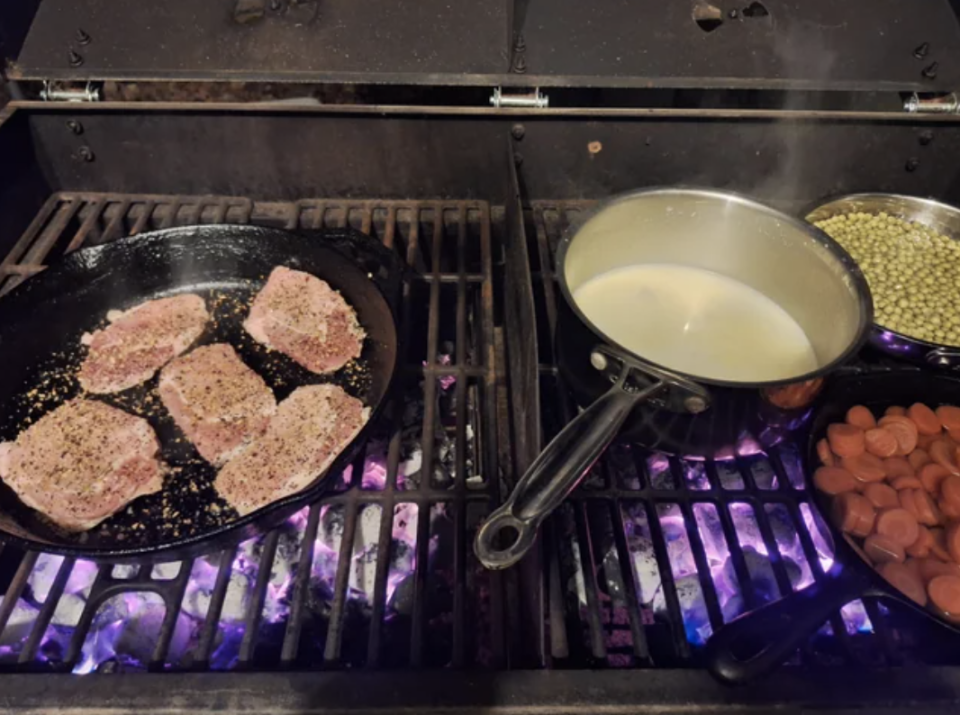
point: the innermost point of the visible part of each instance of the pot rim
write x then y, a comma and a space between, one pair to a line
853, 270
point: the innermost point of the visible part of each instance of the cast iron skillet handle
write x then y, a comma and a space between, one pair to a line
756, 643
511, 530
943, 357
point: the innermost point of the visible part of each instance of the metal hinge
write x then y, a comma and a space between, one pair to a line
55, 92
519, 98
939, 104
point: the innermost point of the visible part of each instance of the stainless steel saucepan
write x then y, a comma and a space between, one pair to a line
789, 261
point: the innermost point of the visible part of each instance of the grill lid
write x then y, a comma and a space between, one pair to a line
877, 45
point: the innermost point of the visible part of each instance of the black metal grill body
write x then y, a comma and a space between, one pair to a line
372, 598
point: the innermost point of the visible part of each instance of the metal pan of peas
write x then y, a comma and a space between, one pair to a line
909, 251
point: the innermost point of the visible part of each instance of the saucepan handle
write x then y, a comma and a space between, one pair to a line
511, 530
756, 643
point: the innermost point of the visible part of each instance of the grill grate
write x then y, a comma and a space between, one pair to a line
652, 554
380, 573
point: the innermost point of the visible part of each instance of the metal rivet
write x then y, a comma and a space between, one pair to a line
521, 44
517, 131
75, 59
520, 64
926, 136
82, 37
598, 360
74, 126
930, 71
695, 405
912, 164
922, 51
85, 153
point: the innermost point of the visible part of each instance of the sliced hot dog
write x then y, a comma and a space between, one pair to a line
938, 549
932, 476
880, 442
906, 483
834, 480
882, 496
899, 525
904, 430
898, 467
928, 513
950, 489
917, 457
905, 497
823, 452
921, 547
894, 410
862, 417
845, 440
952, 536
949, 417
854, 514
881, 549
865, 467
949, 509
943, 453
924, 418
925, 440
905, 581
931, 568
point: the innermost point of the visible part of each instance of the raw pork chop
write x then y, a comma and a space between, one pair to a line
140, 341
82, 463
304, 318
311, 428
219, 402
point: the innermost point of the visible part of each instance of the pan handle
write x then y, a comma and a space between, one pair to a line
511, 530
756, 643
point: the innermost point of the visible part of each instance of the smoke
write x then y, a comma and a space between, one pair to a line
799, 154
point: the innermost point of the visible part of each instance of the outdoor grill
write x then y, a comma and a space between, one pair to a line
373, 598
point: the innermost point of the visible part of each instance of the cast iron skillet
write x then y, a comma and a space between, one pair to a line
41, 322
756, 643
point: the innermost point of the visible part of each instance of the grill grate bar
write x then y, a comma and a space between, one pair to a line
291, 636
212, 621
15, 590
703, 567
255, 609
29, 652
170, 219
428, 444
806, 544
93, 217
384, 539
460, 481
98, 594
681, 645
144, 217
113, 229
31, 233
641, 649
598, 646
331, 652
173, 600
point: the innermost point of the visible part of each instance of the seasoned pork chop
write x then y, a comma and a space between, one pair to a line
312, 426
140, 341
82, 463
304, 318
219, 402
